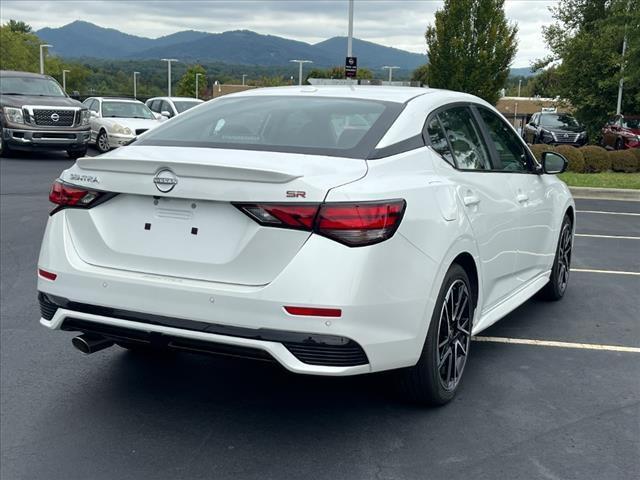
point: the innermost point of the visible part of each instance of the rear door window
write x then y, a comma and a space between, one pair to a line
468, 148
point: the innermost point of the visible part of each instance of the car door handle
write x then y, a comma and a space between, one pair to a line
522, 197
471, 200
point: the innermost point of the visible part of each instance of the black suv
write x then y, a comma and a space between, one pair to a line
554, 129
35, 113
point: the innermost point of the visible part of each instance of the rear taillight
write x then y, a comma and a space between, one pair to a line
352, 224
71, 196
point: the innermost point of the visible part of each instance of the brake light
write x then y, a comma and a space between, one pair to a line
65, 195
352, 224
314, 312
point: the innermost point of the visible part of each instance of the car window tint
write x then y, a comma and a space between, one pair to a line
512, 155
437, 139
165, 107
469, 151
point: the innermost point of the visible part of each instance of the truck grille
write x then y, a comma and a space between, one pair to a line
53, 118
567, 137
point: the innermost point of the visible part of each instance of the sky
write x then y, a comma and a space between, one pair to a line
395, 23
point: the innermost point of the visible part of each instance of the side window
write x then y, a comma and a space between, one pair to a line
512, 156
437, 139
469, 150
165, 107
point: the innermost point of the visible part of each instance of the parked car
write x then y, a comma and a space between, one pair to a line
118, 121
258, 225
622, 131
555, 129
172, 106
36, 114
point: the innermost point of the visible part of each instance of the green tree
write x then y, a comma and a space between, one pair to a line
586, 44
338, 73
421, 74
471, 47
187, 85
20, 48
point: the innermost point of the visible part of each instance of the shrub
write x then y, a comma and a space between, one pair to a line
623, 161
574, 156
596, 159
539, 148
636, 153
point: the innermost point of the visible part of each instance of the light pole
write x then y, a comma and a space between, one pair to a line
244, 75
350, 34
519, 85
624, 49
197, 75
43, 46
300, 62
169, 61
391, 69
135, 85
64, 80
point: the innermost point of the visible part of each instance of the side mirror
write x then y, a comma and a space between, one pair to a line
93, 114
166, 113
553, 163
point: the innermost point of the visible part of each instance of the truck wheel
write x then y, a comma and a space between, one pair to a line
102, 142
5, 151
74, 153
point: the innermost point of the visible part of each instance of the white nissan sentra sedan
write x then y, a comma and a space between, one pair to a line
334, 230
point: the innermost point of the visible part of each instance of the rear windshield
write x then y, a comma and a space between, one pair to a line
318, 126
631, 123
36, 86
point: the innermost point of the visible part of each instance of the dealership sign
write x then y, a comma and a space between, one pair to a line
351, 67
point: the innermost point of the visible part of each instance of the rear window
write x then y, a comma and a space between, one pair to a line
319, 126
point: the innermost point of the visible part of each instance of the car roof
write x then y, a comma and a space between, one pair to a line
117, 99
381, 93
15, 73
176, 98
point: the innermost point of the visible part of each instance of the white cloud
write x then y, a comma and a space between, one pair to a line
399, 23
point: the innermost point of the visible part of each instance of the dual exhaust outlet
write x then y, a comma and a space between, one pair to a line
88, 343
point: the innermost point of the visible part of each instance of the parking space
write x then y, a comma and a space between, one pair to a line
523, 411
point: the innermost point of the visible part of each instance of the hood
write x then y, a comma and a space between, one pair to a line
21, 100
559, 131
134, 123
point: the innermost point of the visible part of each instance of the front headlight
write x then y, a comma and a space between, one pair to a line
583, 134
121, 130
84, 117
14, 115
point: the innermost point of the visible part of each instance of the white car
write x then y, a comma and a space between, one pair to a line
169, 107
118, 121
331, 229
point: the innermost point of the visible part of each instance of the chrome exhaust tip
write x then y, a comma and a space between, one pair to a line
87, 343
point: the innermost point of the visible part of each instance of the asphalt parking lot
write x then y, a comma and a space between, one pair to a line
523, 412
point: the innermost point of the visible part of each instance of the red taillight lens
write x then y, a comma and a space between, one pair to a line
314, 312
353, 224
297, 216
358, 224
65, 195
48, 275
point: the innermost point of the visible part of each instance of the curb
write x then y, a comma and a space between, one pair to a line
606, 193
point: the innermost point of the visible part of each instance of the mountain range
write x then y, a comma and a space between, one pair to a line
81, 39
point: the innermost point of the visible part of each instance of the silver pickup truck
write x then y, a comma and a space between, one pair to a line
36, 113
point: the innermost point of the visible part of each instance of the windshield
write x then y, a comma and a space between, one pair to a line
184, 105
323, 126
631, 123
44, 87
558, 120
126, 110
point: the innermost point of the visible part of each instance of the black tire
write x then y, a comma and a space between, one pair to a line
424, 382
77, 153
102, 146
559, 278
5, 151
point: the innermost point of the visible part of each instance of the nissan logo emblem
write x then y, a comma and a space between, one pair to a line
55, 117
165, 180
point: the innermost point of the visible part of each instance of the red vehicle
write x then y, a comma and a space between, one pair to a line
622, 132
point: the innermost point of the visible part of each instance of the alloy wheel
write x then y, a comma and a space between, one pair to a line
103, 142
564, 258
454, 334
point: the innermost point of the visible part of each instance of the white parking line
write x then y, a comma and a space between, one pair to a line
609, 213
612, 272
549, 343
617, 237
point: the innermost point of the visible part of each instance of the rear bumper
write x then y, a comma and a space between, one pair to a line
25, 139
383, 292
